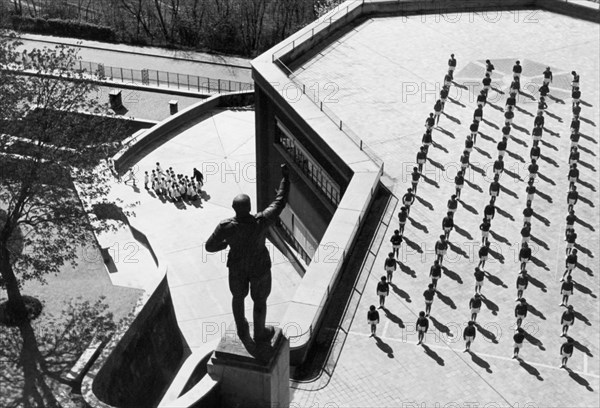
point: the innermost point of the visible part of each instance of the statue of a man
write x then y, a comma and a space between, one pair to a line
248, 260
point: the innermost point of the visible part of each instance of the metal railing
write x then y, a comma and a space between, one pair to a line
151, 77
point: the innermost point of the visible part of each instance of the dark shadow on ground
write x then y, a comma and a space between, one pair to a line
585, 149
582, 317
462, 232
393, 318
495, 280
540, 243
408, 270
413, 245
499, 238
544, 196
401, 293
486, 137
548, 160
418, 225
582, 348
584, 224
490, 124
433, 355
586, 120
446, 299
546, 179
549, 145
473, 186
520, 128
458, 250
584, 250
579, 380
425, 203
537, 283
504, 214
480, 362
542, 219
384, 347
553, 116
469, 208
534, 340
482, 152
508, 191
532, 309
539, 263
436, 164
587, 185
440, 327
583, 289
452, 275
454, 101
446, 132
531, 369
515, 156
518, 141
497, 256
492, 307
452, 118
487, 334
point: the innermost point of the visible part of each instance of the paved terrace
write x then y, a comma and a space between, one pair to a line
382, 79
221, 145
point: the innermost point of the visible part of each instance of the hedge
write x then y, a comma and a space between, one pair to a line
64, 28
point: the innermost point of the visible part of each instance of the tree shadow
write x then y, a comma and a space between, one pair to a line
469, 208
401, 293
531, 370
546, 179
539, 263
583, 289
430, 181
473, 186
454, 101
585, 149
452, 275
587, 185
518, 141
446, 299
504, 214
436, 164
393, 318
458, 250
424, 202
537, 283
384, 347
579, 380
553, 116
480, 362
446, 132
495, 280
544, 196
548, 160
490, 124
534, 340
524, 111
486, 137
497, 256
418, 225
452, 118
584, 250
482, 152
492, 307
549, 145
540, 242
515, 156
487, 334
462, 232
509, 192
582, 348
433, 355
588, 121
499, 238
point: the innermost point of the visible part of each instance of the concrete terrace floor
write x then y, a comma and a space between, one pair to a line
382, 79
221, 145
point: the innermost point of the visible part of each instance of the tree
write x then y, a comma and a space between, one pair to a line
53, 135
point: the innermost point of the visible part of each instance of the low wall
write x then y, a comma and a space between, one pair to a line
131, 153
570, 9
136, 369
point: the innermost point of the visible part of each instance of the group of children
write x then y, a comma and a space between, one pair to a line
176, 187
525, 254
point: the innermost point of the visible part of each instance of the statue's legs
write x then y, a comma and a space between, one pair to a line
260, 288
239, 287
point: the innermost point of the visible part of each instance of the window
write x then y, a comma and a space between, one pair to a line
309, 166
298, 235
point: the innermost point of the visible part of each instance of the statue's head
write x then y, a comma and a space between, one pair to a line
241, 205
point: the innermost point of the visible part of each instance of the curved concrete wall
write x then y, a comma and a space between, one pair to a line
132, 152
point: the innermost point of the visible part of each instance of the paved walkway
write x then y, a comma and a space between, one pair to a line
221, 145
382, 79
136, 57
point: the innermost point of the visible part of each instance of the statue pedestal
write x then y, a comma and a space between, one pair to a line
252, 375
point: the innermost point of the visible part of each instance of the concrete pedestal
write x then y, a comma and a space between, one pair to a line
252, 375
